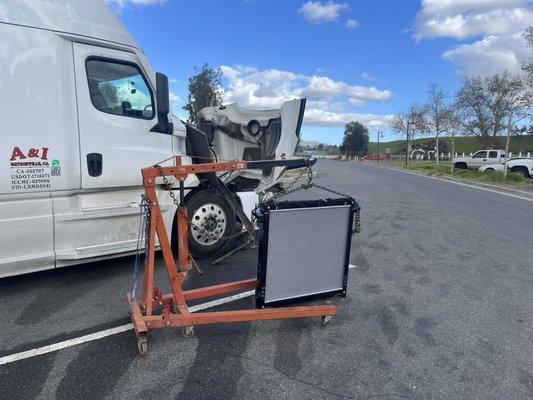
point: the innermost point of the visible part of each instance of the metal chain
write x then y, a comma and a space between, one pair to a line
357, 213
144, 229
307, 172
200, 230
308, 185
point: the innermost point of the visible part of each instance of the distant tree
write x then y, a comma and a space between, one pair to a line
333, 150
517, 104
475, 106
485, 103
526, 130
429, 145
355, 141
205, 90
453, 126
436, 113
408, 124
528, 66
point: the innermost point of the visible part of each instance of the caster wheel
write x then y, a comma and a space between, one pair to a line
325, 320
188, 332
142, 346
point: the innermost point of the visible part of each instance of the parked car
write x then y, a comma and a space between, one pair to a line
522, 166
492, 167
479, 159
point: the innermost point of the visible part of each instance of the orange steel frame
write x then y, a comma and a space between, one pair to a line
173, 307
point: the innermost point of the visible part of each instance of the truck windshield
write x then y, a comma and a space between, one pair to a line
119, 88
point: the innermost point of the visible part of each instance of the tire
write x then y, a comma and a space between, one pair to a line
489, 169
521, 171
460, 165
209, 212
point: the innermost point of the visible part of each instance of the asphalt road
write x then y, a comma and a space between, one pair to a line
439, 306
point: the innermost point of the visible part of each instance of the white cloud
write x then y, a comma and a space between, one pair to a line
321, 88
352, 24
462, 26
491, 55
174, 98
432, 8
119, 5
269, 88
495, 24
326, 97
173, 81
319, 13
260, 89
367, 77
322, 118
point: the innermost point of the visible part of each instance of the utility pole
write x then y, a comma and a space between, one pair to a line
379, 134
407, 144
410, 122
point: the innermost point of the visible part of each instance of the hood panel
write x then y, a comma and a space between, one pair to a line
229, 135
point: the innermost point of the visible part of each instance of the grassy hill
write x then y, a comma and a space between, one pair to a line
463, 144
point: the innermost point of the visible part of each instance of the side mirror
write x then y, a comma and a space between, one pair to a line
163, 105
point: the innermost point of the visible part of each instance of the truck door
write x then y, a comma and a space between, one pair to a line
116, 110
479, 159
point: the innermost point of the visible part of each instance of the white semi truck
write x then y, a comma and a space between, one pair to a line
82, 111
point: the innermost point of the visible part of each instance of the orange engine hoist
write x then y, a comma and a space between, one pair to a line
157, 310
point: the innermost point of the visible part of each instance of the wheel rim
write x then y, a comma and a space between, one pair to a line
208, 224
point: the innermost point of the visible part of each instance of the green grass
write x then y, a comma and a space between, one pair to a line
463, 144
443, 169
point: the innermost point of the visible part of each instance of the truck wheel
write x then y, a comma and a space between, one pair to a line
211, 218
460, 165
521, 171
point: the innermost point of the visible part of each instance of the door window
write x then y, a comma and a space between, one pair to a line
493, 154
480, 154
119, 88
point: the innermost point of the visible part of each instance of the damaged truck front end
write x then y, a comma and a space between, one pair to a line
221, 204
234, 132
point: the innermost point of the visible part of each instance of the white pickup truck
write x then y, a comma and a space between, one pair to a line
479, 159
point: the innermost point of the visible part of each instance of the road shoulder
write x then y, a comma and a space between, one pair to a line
522, 193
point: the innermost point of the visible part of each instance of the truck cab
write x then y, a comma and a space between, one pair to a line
82, 113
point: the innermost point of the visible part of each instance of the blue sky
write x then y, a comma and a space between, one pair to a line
362, 60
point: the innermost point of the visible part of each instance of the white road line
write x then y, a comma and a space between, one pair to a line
67, 343
224, 300
463, 184
504, 188
351, 266
109, 332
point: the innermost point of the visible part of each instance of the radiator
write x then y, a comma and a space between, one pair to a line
304, 249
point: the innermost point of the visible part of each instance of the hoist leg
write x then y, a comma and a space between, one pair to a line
150, 261
183, 242
175, 278
220, 317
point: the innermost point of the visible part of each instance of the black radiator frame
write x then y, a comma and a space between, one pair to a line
262, 214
